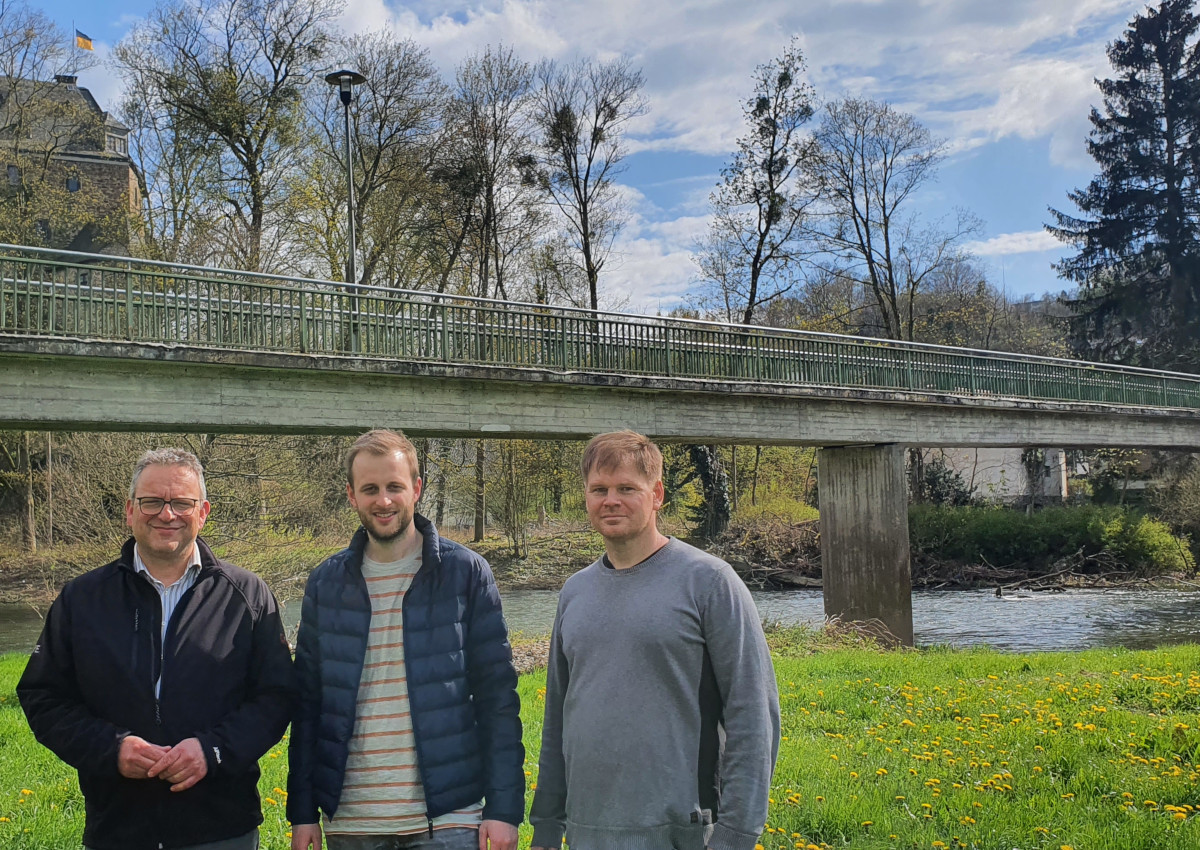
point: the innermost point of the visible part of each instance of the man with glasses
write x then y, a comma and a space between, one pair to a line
163, 677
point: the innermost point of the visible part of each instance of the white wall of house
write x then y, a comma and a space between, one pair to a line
997, 474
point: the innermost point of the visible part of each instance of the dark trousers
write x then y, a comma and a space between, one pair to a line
249, 841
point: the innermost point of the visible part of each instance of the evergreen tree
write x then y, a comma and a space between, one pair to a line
1138, 233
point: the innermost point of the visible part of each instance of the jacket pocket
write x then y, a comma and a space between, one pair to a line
695, 834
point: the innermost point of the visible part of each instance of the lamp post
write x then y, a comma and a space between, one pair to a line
346, 80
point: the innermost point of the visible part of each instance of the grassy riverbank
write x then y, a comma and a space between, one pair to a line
1097, 750
952, 547
284, 562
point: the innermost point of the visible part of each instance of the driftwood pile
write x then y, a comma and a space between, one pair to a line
769, 552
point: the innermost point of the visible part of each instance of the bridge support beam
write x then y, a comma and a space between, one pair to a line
864, 537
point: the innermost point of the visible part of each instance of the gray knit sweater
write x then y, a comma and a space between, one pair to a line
649, 668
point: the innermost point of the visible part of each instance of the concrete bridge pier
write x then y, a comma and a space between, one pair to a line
864, 537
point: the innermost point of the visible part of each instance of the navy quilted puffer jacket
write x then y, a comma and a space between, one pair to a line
461, 683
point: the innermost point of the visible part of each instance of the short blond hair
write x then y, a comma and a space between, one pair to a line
612, 450
381, 441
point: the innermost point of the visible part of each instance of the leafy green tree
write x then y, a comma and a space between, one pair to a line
1138, 228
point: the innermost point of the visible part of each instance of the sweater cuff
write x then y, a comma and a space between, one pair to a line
550, 834
724, 838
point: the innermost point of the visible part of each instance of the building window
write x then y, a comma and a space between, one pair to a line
73, 184
14, 176
118, 144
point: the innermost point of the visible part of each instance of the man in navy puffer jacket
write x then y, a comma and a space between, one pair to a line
407, 732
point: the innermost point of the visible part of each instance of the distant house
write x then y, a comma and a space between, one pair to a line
56, 133
1000, 475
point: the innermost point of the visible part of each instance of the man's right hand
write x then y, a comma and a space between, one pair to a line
305, 836
138, 755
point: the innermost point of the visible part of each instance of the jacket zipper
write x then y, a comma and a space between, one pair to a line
162, 657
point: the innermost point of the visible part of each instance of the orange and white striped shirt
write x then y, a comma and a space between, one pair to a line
381, 791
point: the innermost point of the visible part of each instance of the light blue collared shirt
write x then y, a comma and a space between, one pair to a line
168, 596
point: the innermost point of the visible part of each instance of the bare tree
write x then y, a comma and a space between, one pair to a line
867, 163
176, 173
752, 251
233, 71
581, 111
495, 159
397, 130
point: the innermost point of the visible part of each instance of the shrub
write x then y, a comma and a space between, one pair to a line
1002, 537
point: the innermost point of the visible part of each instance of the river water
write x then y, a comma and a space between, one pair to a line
1025, 622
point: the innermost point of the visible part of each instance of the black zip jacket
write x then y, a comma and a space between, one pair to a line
227, 680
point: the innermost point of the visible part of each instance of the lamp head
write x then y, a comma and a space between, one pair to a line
345, 80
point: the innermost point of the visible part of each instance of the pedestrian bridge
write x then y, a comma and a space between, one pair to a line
96, 342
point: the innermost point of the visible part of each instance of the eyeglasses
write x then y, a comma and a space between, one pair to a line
152, 506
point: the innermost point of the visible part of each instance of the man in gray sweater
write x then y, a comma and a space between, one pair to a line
662, 711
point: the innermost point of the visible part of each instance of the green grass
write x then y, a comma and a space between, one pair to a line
959, 749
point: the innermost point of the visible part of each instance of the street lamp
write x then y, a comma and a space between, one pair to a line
346, 80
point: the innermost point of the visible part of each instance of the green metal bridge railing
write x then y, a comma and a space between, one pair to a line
95, 297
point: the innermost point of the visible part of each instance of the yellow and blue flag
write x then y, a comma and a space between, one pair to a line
84, 42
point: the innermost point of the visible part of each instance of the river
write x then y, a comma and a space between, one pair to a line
1025, 622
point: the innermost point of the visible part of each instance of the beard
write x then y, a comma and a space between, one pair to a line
403, 521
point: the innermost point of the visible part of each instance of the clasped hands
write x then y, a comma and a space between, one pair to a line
183, 765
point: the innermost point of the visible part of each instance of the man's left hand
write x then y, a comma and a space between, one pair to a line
183, 765
503, 836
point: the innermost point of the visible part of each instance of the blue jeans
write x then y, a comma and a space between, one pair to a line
454, 838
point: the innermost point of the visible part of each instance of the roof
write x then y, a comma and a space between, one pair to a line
61, 113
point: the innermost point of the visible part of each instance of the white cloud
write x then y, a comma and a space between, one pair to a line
656, 274
975, 71
1027, 242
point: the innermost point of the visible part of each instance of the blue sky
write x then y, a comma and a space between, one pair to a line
1007, 85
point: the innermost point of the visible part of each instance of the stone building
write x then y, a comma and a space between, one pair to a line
55, 139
